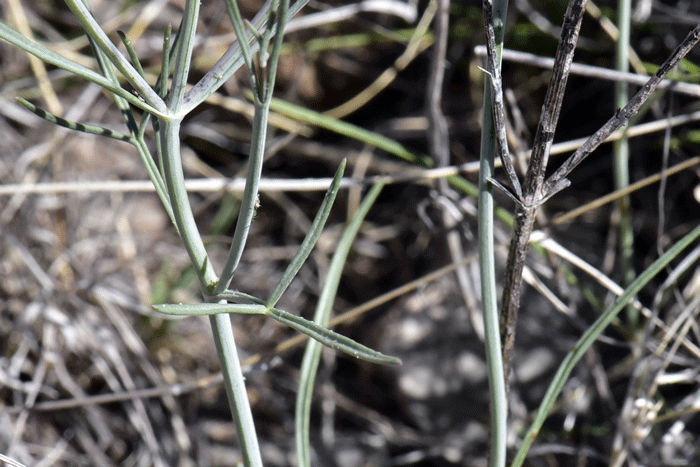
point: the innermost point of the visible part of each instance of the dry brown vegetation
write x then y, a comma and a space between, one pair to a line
91, 375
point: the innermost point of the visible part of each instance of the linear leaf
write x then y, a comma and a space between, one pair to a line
132, 53
312, 354
331, 338
311, 238
589, 337
18, 40
348, 129
90, 129
81, 11
231, 60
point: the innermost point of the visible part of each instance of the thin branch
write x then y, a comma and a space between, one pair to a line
494, 72
624, 114
532, 189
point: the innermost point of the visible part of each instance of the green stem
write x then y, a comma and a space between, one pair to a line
621, 151
235, 389
184, 219
492, 334
250, 196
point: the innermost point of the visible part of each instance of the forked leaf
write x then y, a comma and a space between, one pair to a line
331, 338
310, 240
325, 336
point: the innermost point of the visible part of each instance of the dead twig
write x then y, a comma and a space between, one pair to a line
533, 193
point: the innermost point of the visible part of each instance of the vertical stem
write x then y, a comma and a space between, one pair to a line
221, 324
250, 196
534, 187
184, 219
235, 389
621, 150
494, 358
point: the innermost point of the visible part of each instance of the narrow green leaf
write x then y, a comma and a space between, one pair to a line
162, 83
589, 337
90, 129
206, 309
231, 60
311, 238
279, 18
348, 129
234, 296
183, 58
243, 37
18, 40
312, 354
137, 131
132, 53
331, 338
84, 16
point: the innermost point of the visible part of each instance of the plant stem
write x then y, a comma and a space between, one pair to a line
533, 187
235, 389
250, 196
184, 219
621, 158
494, 359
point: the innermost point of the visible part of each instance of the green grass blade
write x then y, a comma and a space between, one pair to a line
90, 129
347, 129
591, 335
312, 354
311, 238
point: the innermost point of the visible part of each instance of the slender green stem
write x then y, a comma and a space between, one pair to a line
235, 389
494, 16
492, 334
184, 219
250, 197
622, 154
